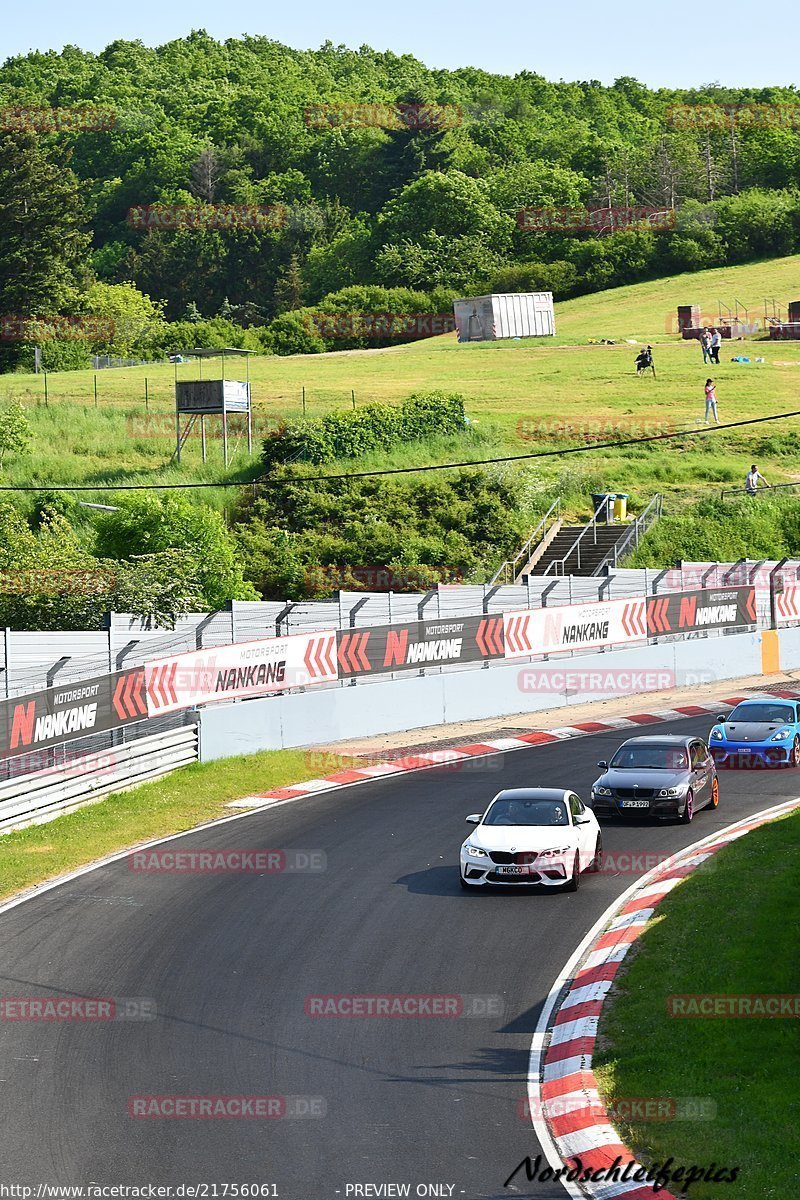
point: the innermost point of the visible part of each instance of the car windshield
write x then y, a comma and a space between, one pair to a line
759, 713
527, 812
654, 758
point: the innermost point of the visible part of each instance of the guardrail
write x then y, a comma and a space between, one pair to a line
32, 799
635, 533
509, 569
575, 548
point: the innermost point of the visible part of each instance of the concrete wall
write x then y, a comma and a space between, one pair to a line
335, 714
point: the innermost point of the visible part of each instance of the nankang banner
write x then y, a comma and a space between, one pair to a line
702, 608
535, 631
416, 644
76, 710
239, 671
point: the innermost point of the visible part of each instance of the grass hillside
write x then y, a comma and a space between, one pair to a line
521, 396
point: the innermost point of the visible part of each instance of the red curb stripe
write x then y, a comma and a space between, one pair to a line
576, 1012
594, 727
647, 718
693, 710
574, 1121
642, 902
537, 739
618, 937
351, 775
603, 973
478, 748
581, 1045
284, 793
576, 1082
602, 1157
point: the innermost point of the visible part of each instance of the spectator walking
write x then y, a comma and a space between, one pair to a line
711, 400
751, 480
716, 345
705, 342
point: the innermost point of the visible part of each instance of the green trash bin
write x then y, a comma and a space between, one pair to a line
606, 499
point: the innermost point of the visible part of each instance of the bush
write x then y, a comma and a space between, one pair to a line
373, 427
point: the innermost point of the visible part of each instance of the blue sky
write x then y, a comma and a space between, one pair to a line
667, 44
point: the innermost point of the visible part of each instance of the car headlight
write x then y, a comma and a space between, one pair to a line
717, 735
781, 735
474, 851
602, 791
669, 792
553, 853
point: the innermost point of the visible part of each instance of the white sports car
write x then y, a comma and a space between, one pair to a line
532, 835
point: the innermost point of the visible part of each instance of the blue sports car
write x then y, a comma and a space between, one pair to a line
758, 733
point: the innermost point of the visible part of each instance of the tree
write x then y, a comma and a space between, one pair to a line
15, 431
289, 287
149, 525
42, 246
206, 171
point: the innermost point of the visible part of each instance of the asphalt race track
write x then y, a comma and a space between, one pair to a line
230, 958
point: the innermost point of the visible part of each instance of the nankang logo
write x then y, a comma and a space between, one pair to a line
27, 728
716, 614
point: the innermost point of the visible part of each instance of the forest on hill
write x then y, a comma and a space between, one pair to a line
377, 185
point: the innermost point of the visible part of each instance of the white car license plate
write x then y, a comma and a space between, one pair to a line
513, 870
635, 803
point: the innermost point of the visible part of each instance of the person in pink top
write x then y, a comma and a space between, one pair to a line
711, 400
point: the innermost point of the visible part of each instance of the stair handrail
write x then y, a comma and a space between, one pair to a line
576, 545
510, 565
635, 533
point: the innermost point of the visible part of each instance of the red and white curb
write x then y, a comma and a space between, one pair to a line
567, 1111
427, 759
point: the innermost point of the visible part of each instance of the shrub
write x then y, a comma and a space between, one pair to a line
373, 427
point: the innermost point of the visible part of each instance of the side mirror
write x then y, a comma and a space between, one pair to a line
582, 819
721, 717
603, 764
474, 819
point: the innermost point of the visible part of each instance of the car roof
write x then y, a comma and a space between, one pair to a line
767, 700
533, 794
667, 739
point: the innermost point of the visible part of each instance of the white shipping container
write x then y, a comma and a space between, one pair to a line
505, 315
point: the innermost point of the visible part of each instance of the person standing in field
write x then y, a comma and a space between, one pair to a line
711, 400
716, 345
751, 480
705, 342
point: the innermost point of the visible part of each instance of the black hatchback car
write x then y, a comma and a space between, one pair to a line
669, 777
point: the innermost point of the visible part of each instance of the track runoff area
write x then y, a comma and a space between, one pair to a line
221, 1024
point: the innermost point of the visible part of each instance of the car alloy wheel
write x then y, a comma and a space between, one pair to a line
714, 794
688, 809
794, 761
574, 882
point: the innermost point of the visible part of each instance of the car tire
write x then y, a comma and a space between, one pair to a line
597, 861
573, 884
714, 801
688, 809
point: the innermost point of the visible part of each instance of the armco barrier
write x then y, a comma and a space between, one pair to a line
35, 798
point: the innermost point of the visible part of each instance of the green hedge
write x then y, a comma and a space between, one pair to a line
373, 427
